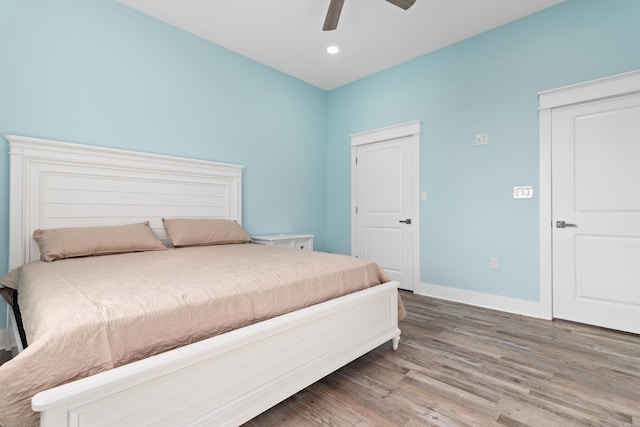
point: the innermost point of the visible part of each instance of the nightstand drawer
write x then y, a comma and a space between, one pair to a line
302, 242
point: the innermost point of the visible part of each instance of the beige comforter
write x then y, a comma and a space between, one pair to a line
87, 315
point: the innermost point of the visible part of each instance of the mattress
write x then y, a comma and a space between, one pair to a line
86, 315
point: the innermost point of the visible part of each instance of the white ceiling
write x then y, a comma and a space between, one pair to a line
372, 34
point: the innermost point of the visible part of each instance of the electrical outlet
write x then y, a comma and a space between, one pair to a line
494, 262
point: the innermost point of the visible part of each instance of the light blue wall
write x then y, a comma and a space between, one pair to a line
488, 83
100, 73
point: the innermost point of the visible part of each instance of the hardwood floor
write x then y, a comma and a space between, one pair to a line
460, 365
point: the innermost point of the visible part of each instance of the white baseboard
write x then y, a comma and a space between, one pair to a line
494, 302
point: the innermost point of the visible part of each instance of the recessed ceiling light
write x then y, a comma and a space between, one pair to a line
333, 50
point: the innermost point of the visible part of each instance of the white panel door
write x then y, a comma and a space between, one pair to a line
596, 192
384, 173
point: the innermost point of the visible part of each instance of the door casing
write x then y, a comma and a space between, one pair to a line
408, 129
620, 84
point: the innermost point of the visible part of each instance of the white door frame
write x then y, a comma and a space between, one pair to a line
607, 87
408, 129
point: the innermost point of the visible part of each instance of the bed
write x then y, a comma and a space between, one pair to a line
225, 379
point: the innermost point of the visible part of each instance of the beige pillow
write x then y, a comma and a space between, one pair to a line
200, 232
62, 243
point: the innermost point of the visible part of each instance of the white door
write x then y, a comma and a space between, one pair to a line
596, 192
384, 209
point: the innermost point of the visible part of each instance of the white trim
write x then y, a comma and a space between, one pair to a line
386, 133
545, 215
592, 90
479, 299
607, 87
408, 129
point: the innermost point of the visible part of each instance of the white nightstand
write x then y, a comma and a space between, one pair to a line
294, 241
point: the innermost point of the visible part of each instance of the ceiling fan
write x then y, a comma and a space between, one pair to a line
335, 7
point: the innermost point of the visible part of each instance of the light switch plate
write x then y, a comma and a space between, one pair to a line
523, 192
482, 139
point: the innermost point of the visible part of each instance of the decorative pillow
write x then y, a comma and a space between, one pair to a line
201, 232
62, 243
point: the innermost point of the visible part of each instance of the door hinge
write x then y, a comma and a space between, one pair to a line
356, 160
356, 210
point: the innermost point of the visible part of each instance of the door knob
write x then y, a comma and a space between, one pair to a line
405, 221
562, 224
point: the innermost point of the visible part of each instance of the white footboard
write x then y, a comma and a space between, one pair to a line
229, 379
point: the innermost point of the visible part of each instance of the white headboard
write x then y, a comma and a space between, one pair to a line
59, 184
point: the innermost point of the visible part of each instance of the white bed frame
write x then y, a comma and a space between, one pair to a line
224, 380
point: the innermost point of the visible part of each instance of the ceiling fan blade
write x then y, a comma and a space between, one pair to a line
405, 4
333, 15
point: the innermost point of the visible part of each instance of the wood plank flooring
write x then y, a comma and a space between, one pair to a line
460, 365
